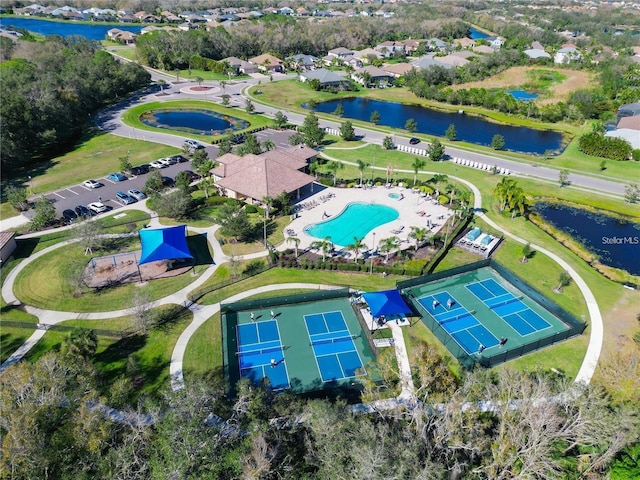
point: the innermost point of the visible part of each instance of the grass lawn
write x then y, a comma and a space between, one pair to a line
152, 352
132, 116
11, 337
275, 236
203, 356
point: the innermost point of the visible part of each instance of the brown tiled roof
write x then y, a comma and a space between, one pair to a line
398, 68
5, 237
295, 157
266, 59
632, 123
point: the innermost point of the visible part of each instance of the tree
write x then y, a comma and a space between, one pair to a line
325, 246
387, 143
90, 235
375, 117
603, 165
297, 138
125, 164
81, 343
141, 311
563, 280
45, 214
417, 164
249, 107
183, 180
280, 119
497, 142
347, 132
313, 133
410, 125
420, 235
333, 166
17, 197
199, 81
632, 193
233, 220
510, 196
267, 145
249, 146
362, 166
339, 111
435, 150
162, 83
387, 245
225, 145
451, 132
175, 204
356, 247
296, 244
154, 184
526, 253
225, 99
563, 177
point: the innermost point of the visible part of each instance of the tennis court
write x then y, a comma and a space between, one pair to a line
314, 345
509, 307
260, 353
333, 345
481, 317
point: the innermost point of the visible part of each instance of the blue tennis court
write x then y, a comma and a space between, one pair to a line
260, 353
460, 323
333, 345
508, 307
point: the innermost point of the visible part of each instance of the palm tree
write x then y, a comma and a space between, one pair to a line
223, 84
162, 83
356, 247
268, 202
420, 235
333, 166
417, 164
325, 246
362, 166
439, 178
199, 80
296, 243
268, 145
517, 201
388, 244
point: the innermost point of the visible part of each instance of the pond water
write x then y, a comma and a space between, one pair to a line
201, 122
96, 31
476, 34
522, 95
616, 242
434, 122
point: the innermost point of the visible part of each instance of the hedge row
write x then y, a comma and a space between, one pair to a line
349, 267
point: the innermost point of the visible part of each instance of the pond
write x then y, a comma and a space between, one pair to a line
64, 29
616, 242
469, 128
200, 122
522, 95
476, 34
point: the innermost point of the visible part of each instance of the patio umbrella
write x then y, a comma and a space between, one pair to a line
387, 302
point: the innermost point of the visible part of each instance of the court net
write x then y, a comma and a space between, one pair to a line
506, 302
326, 341
458, 317
261, 351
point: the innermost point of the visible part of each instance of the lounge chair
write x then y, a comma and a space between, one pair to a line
398, 230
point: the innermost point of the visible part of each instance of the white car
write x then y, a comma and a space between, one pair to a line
192, 145
137, 194
158, 164
92, 184
97, 207
167, 161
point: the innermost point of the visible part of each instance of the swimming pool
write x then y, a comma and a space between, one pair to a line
356, 220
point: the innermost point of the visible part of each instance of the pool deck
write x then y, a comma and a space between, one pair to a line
414, 208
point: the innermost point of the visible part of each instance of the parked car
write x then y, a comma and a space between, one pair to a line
125, 198
167, 161
97, 207
137, 194
168, 181
92, 184
192, 175
140, 169
414, 141
69, 215
82, 211
117, 177
158, 164
180, 158
192, 145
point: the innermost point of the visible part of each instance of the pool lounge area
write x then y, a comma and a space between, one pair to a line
478, 242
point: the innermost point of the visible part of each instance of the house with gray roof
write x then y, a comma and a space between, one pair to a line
628, 110
536, 54
327, 78
427, 61
303, 62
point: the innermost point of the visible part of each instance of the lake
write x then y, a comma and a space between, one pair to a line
96, 31
469, 128
616, 242
476, 34
522, 95
200, 122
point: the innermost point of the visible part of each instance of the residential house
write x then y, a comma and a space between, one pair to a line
268, 63
628, 129
628, 110
286, 11
170, 17
390, 48
340, 52
367, 54
327, 78
253, 177
411, 45
153, 28
352, 61
376, 76
121, 36
303, 62
453, 60
465, 42
536, 54
567, 55
302, 12
240, 66
436, 45
495, 42
398, 69
7, 245
427, 61
145, 17
484, 49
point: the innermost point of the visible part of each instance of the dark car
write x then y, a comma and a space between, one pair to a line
168, 181
125, 198
69, 215
140, 169
82, 211
179, 158
414, 141
192, 175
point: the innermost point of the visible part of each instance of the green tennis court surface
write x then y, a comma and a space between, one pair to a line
481, 317
305, 346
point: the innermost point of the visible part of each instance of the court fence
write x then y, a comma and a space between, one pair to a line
468, 361
284, 300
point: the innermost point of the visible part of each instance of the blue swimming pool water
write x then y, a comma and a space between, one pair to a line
356, 220
522, 95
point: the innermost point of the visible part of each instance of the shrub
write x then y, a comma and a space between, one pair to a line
251, 209
606, 147
443, 199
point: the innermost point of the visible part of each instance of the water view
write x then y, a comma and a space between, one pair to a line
201, 122
96, 31
522, 95
616, 242
434, 122
476, 34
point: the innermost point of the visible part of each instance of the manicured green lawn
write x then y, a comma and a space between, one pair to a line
132, 116
11, 337
203, 356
